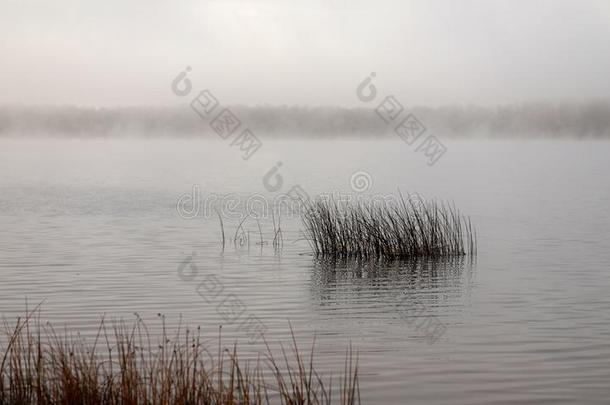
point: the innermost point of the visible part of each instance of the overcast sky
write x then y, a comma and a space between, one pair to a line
117, 52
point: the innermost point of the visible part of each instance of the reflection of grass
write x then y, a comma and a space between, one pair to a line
361, 230
125, 365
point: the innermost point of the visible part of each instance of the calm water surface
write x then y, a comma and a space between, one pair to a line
91, 228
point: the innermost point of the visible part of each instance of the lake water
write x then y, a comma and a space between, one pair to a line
92, 227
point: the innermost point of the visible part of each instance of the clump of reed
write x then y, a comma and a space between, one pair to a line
406, 228
126, 365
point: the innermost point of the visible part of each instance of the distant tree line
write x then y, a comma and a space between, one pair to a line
590, 119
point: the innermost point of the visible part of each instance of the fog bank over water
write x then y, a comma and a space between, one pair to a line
579, 120
437, 52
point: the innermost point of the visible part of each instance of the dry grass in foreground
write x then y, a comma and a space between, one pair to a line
124, 366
